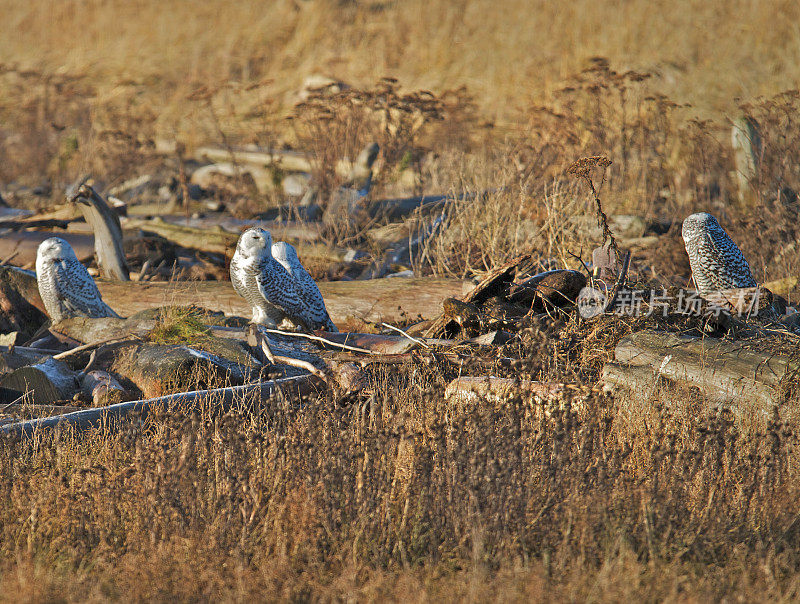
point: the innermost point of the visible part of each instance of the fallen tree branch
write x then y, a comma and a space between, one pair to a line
108, 417
393, 328
308, 336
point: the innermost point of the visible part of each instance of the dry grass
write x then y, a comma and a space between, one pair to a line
403, 495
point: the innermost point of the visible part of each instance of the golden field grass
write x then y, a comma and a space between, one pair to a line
704, 53
400, 495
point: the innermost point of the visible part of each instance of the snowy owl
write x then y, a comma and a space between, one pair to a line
268, 287
65, 285
717, 264
286, 255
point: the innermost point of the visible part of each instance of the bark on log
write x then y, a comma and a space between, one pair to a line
107, 233
724, 372
48, 381
109, 417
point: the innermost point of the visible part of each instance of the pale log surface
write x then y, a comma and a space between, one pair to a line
376, 300
723, 371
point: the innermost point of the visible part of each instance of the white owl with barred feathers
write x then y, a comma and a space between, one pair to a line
717, 263
276, 290
65, 286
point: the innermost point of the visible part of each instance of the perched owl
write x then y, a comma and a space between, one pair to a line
65, 285
286, 255
717, 264
268, 287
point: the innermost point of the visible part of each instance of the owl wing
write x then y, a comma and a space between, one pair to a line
730, 258
313, 299
78, 291
278, 287
237, 280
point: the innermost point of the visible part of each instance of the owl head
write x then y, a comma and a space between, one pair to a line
284, 252
698, 224
255, 242
54, 249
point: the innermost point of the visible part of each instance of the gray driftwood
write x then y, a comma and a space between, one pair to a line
724, 372
46, 382
109, 417
107, 233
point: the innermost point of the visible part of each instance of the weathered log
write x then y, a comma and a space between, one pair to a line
378, 300
103, 388
21, 308
48, 381
158, 369
107, 233
495, 283
103, 329
724, 372
471, 389
109, 417
289, 161
557, 287
406, 249
20, 356
346, 204
217, 238
205, 176
281, 230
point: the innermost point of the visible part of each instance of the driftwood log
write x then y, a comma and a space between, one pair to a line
289, 161
747, 149
377, 300
109, 417
209, 237
45, 382
107, 233
103, 388
724, 372
472, 389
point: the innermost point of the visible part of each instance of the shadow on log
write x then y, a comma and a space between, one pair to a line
21, 308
